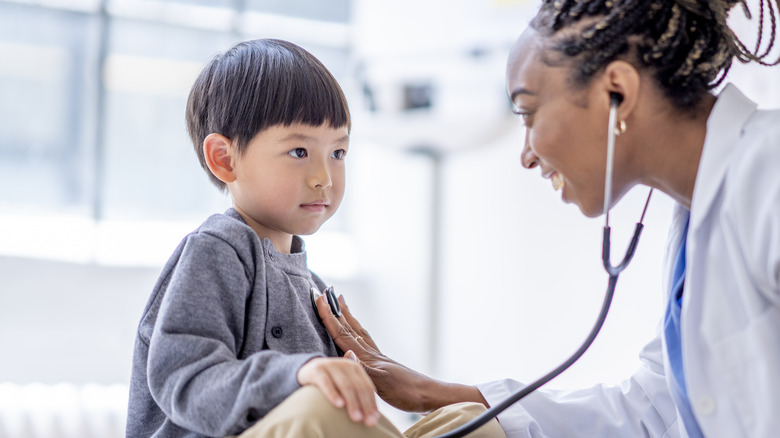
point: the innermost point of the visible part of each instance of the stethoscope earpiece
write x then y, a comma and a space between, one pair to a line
615, 99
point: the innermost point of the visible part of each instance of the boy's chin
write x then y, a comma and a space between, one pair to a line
308, 231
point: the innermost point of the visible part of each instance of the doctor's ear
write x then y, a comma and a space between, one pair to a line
621, 81
218, 152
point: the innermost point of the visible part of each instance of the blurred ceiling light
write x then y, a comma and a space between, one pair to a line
69, 5
441, 101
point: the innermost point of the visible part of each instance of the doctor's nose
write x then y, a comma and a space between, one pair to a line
527, 157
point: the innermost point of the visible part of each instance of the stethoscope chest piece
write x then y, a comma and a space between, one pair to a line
330, 295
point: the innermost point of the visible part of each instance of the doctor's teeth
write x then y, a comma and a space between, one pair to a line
557, 181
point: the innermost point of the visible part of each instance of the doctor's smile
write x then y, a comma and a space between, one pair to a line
557, 181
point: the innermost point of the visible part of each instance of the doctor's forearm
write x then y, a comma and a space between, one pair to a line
435, 394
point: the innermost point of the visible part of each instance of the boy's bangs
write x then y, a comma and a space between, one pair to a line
290, 86
310, 97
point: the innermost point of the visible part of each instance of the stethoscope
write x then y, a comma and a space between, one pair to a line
613, 271
330, 295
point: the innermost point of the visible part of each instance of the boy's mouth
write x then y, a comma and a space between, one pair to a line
316, 206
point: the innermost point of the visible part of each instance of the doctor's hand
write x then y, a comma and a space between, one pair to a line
344, 384
397, 384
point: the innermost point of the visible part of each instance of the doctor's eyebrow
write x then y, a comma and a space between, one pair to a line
520, 90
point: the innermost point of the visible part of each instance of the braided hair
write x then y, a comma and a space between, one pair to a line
686, 44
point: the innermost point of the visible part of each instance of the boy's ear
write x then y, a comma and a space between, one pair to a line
218, 152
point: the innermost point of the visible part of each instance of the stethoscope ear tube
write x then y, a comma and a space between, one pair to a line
613, 271
605, 245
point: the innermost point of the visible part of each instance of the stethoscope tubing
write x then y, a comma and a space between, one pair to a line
613, 271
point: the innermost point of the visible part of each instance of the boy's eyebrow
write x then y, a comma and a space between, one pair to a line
299, 136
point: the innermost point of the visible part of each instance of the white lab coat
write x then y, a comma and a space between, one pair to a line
730, 311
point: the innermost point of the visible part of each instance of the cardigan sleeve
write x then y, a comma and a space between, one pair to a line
194, 373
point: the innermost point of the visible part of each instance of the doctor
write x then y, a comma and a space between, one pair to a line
714, 368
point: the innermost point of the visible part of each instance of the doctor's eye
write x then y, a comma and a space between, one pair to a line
298, 153
339, 154
524, 116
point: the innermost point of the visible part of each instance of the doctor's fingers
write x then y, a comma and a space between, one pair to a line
342, 333
360, 333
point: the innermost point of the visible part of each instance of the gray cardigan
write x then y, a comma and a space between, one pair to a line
222, 337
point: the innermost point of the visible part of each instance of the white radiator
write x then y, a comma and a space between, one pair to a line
62, 411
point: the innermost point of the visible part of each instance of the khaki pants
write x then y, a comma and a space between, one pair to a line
306, 413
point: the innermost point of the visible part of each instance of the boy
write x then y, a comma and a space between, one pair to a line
229, 331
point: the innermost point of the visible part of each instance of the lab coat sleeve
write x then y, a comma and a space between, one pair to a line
640, 406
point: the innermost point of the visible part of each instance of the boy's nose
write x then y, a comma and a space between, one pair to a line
319, 178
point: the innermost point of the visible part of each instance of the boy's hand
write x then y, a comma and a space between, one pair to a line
345, 384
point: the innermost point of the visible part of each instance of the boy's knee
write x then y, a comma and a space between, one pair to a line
309, 402
307, 413
451, 417
303, 410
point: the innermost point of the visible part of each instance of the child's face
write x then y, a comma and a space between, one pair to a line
290, 180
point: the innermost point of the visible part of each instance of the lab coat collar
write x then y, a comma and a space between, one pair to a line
731, 112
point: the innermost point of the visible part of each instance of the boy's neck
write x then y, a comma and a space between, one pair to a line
282, 241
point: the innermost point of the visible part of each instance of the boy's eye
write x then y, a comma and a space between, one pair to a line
339, 154
298, 153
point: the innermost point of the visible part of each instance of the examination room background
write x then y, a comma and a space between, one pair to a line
461, 263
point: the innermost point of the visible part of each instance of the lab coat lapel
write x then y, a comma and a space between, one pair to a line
724, 127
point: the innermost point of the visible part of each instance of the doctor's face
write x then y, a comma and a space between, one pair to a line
566, 134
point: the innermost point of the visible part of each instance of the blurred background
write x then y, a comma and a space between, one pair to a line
462, 264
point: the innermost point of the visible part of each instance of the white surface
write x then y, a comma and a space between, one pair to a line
62, 411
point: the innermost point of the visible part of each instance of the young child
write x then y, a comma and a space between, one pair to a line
229, 331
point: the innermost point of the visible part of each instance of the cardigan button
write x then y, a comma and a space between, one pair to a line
705, 405
276, 332
252, 416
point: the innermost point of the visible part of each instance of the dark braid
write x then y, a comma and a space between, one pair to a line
686, 44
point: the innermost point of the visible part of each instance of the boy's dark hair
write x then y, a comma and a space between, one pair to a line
259, 84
